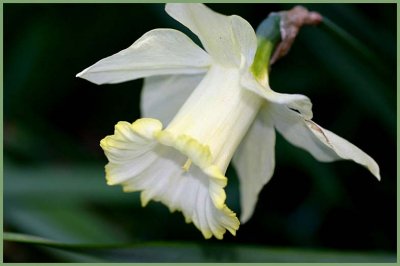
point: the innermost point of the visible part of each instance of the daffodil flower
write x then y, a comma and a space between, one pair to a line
206, 107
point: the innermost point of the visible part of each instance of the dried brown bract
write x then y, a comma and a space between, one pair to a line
291, 22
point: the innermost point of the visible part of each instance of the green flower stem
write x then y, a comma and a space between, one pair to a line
260, 65
268, 35
269, 28
333, 28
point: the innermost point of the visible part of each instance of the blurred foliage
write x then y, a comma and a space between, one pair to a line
53, 166
196, 252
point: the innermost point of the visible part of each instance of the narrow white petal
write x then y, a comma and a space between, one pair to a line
343, 148
162, 96
225, 38
321, 143
297, 102
151, 161
157, 52
254, 162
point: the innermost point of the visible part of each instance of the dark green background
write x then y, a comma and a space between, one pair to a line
53, 166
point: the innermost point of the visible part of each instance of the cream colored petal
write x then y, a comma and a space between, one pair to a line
157, 52
254, 162
162, 96
321, 143
143, 157
218, 113
245, 38
225, 38
297, 102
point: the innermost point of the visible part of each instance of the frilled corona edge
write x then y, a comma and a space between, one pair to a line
175, 170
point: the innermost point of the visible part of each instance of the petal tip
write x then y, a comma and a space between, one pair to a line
83, 75
110, 181
80, 74
375, 171
207, 234
144, 199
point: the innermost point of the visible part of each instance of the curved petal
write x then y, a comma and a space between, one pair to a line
245, 38
254, 162
297, 102
143, 157
321, 143
225, 38
162, 96
157, 52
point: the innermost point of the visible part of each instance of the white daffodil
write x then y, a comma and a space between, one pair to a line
207, 107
